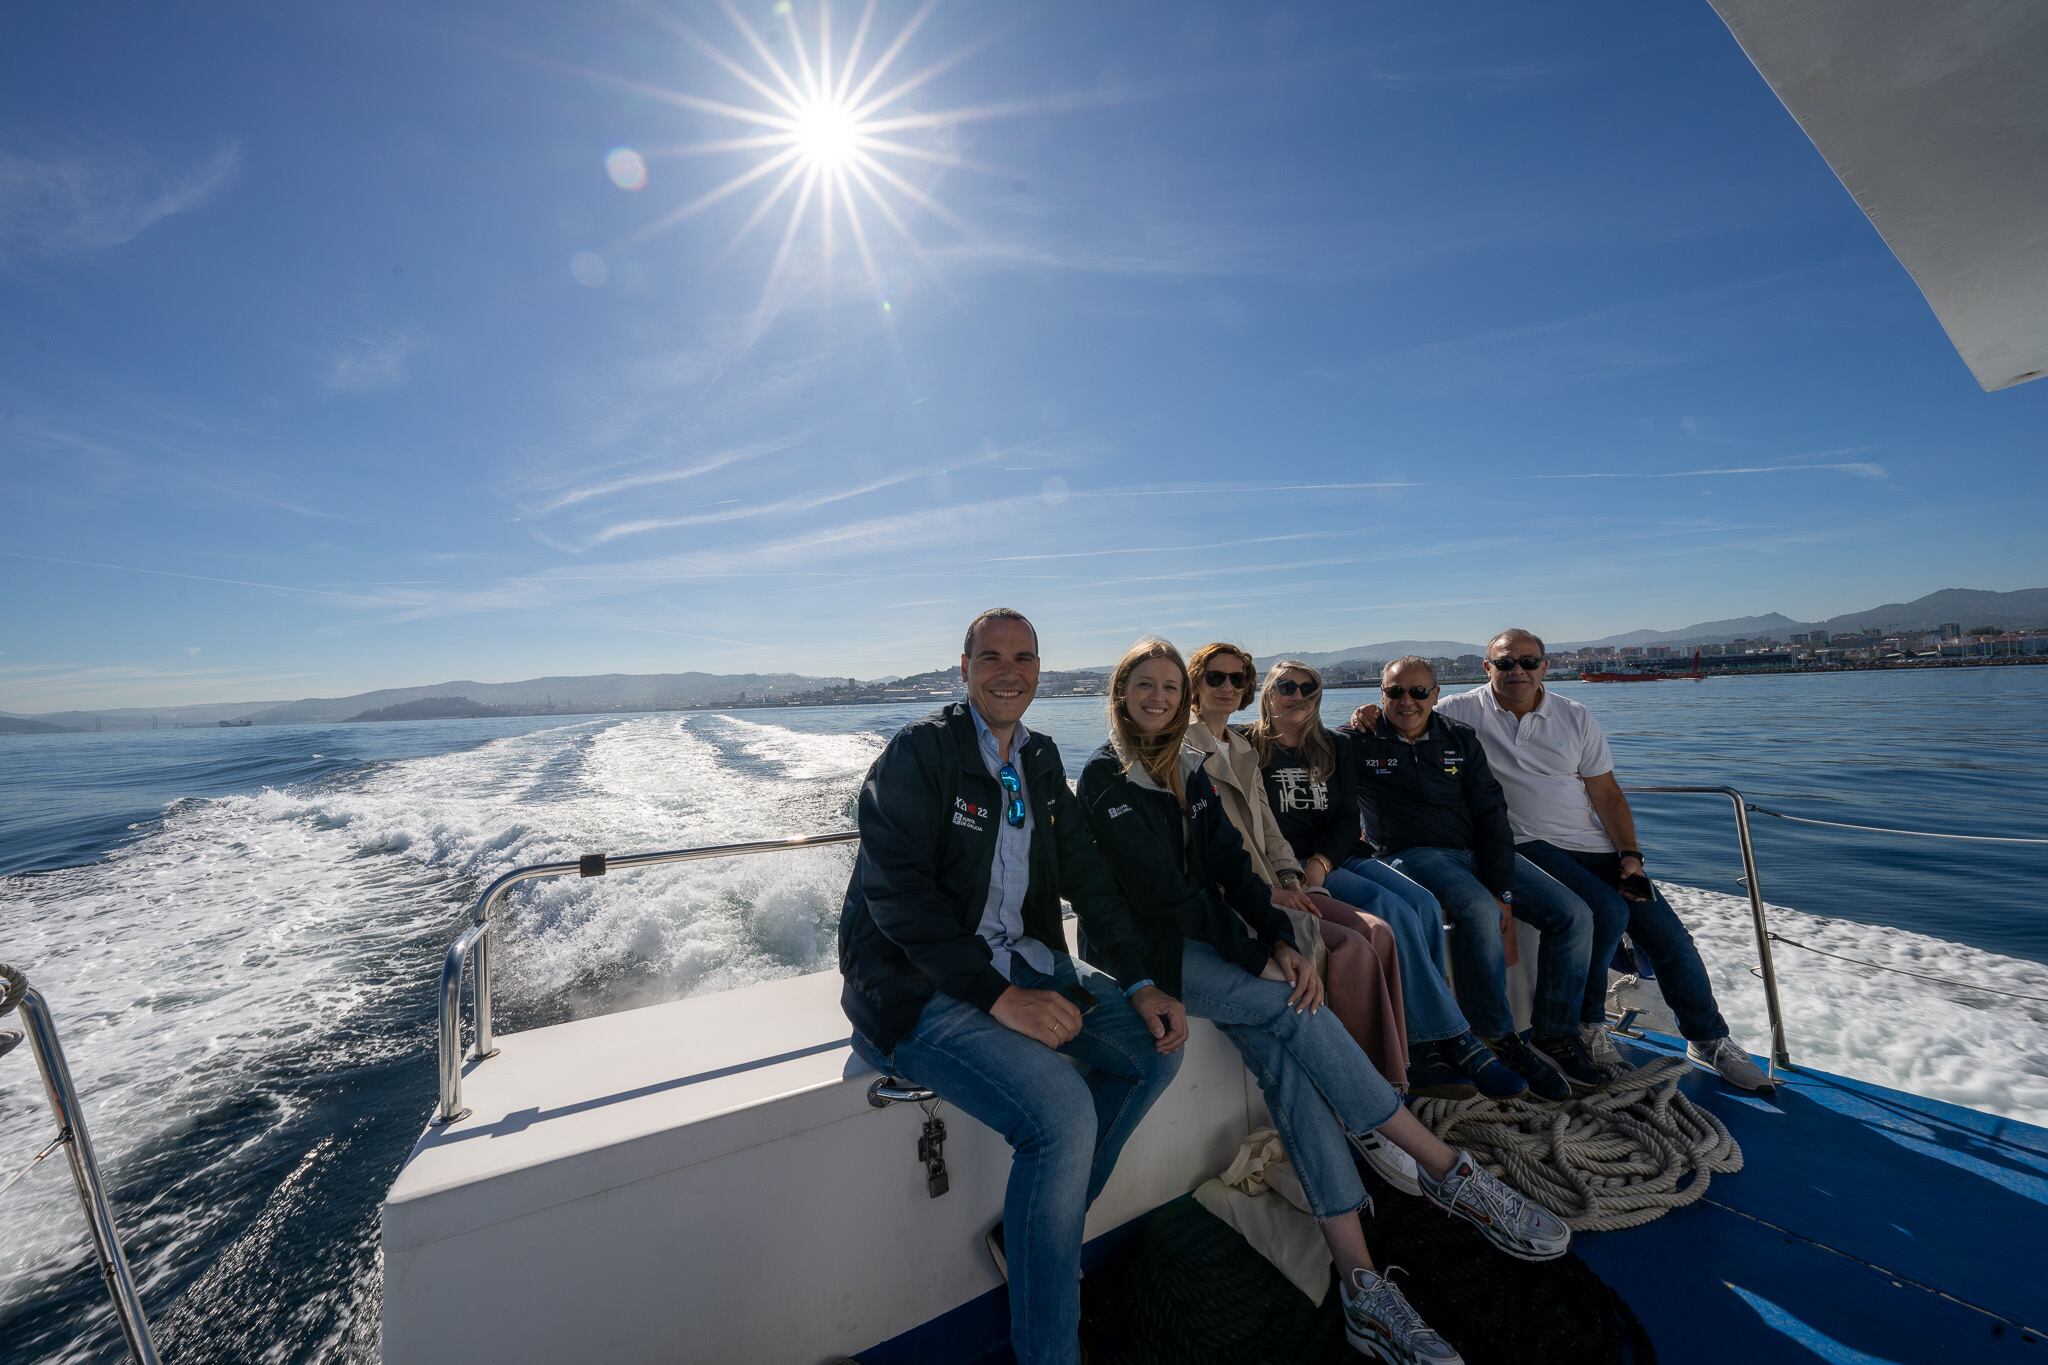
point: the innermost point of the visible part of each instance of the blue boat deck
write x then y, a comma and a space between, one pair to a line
1866, 1225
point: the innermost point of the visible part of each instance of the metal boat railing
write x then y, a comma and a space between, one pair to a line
15, 991
1780, 1057
474, 943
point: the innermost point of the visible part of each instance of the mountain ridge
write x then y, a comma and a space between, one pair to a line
2021, 608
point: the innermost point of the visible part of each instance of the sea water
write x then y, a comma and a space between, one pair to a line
240, 932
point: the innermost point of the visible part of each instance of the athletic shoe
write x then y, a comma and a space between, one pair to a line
1546, 1082
1380, 1323
1433, 1073
1476, 1059
1598, 1040
1388, 1162
1572, 1059
996, 1253
1731, 1064
1516, 1224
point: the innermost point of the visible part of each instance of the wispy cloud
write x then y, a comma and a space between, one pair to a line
653, 478
805, 502
369, 362
63, 202
1862, 469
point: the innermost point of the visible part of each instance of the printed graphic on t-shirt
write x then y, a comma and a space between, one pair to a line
1295, 789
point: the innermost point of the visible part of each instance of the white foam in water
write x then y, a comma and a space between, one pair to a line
191, 964
253, 934
1967, 1046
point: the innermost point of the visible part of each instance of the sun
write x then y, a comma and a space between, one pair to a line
827, 138
827, 134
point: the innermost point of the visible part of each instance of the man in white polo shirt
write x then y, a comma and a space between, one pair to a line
1571, 818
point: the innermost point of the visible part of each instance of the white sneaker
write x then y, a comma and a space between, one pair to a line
1389, 1162
1379, 1322
1599, 1043
1731, 1064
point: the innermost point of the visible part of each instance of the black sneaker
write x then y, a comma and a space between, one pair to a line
1546, 1082
1434, 1074
1476, 1060
1571, 1057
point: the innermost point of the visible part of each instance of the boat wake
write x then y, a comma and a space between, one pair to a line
1981, 1043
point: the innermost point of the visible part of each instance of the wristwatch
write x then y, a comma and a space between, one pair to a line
1619, 854
1289, 879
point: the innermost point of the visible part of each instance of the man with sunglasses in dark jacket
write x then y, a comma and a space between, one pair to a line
957, 975
1434, 811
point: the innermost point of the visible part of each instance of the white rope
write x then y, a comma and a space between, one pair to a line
1617, 1158
36, 1160
1887, 829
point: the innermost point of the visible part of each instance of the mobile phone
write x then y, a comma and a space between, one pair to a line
1080, 997
1637, 885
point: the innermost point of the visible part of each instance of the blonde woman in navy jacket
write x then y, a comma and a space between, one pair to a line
1191, 891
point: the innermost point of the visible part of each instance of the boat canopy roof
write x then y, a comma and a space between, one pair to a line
1935, 117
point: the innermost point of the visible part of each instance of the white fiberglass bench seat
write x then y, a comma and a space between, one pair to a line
705, 1180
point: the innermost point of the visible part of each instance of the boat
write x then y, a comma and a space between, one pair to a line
1697, 674
718, 1178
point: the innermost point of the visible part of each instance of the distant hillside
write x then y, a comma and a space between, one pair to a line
2025, 608
1385, 650
567, 695
433, 708
22, 725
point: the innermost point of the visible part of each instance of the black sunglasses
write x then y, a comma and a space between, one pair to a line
1014, 785
1419, 693
1216, 677
1288, 687
1532, 662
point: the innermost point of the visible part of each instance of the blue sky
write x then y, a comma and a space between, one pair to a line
338, 350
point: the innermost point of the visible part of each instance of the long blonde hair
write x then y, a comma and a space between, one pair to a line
1158, 754
1316, 749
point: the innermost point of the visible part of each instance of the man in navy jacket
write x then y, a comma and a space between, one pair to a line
957, 974
1434, 810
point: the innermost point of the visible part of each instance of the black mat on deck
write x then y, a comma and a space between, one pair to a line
1189, 1289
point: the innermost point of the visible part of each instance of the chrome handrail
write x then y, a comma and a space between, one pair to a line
475, 940
85, 1168
1780, 1057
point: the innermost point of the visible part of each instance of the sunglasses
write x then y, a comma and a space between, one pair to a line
1288, 687
1014, 785
1216, 677
1418, 693
1532, 662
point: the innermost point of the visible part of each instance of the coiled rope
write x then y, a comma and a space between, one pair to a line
1755, 809
1617, 1158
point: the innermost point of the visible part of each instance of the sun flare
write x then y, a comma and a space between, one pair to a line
828, 137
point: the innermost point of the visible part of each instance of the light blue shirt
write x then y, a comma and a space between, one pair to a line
1002, 918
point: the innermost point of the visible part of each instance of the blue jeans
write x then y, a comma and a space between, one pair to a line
1065, 1127
1317, 1083
1476, 949
1652, 925
1418, 923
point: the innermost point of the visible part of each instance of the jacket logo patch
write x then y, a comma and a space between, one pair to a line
969, 808
966, 821
1198, 807
1115, 811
